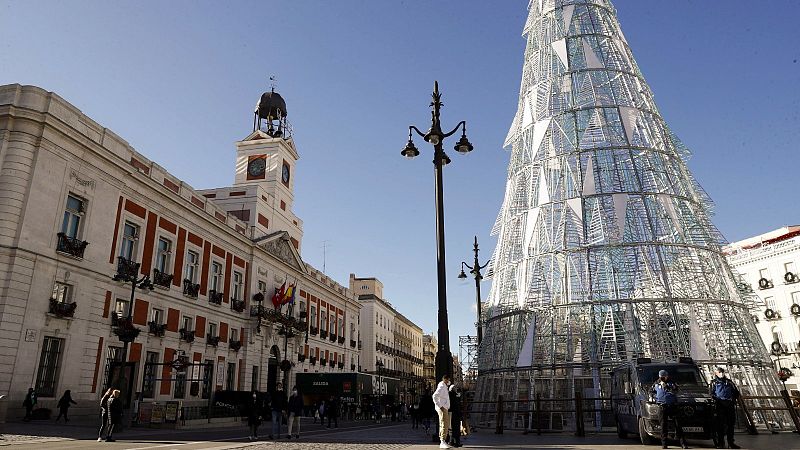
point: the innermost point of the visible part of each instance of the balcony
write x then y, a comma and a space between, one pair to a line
323, 334
156, 329
190, 289
257, 310
71, 246
237, 305
332, 363
341, 339
313, 330
186, 335
212, 340
215, 297
333, 337
123, 328
352, 367
352, 343
301, 357
313, 360
323, 361
62, 309
340, 365
162, 279
235, 345
127, 270
303, 315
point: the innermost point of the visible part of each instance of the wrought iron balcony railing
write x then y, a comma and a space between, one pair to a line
215, 297
301, 357
323, 361
312, 360
313, 330
157, 329
352, 343
71, 246
341, 365
323, 334
186, 335
341, 339
62, 309
212, 340
332, 363
333, 337
127, 270
190, 289
352, 367
237, 305
162, 279
235, 345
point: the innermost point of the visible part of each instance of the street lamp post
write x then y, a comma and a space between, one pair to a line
475, 270
435, 136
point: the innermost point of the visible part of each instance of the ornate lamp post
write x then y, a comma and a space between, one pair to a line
435, 136
127, 272
475, 270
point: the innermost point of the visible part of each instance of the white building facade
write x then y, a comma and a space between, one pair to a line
768, 266
81, 206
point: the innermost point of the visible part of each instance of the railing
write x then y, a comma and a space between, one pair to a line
313, 330
190, 289
62, 309
341, 365
201, 412
352, 367
323, 334
71, 246
162, 279
235, 345
257, 310
157, 329
341, 339
123, 327
323, 361
127, 269
237, 305
301, 357
332, 363
215, 297
333, 337
352, 343
312, 360
212, 340
186, 335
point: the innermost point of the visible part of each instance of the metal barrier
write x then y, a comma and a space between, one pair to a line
201, 412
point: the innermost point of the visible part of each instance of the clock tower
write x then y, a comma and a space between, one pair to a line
263, 190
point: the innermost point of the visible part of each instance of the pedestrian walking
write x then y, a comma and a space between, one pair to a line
277, 405
724, 393
295, 410
29, 402
63, 405
332, 411
426, 409
255, 414
414, 411
456, 414
114, 414
664, 393
441, 398
104, 415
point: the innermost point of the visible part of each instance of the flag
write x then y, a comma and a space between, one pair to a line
277, 298
288, 296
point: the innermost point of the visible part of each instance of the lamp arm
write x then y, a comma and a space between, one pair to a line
420, 133
463, 123
465, 264
485, 265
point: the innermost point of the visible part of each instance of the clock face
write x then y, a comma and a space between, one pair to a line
285, 175
256, 167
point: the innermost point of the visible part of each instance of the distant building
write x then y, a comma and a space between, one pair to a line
767, 266
429, 347
80, 206
391, 342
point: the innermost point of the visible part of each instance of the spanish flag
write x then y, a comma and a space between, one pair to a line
288, 296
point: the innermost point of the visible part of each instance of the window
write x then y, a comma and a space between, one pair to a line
61, 292
231, 376
157, 316
234, 334
149, 382
254, 379
796, 298
341, 326
776, 335
323, 323
238, 285
262, 287
130, 234
212, 329
187, 323
164, 252
332, 324
352, 331
313, 314
73, 212
190, 270
789, 267
114, 353
770, 302
763, 273
49, 361
208, 374
122, 307
216, 276
180, 385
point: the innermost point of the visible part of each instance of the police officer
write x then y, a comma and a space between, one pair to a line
724, 393
664, 393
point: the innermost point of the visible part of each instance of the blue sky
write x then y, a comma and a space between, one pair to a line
179, 81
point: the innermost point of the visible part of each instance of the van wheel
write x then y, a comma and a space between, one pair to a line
621, 433
643, 436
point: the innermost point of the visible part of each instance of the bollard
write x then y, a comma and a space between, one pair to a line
751, 426
499, 428
579, 431
792, 412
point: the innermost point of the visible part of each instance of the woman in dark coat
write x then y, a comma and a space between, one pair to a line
456, 415
63, 405
114, 413
254, 415
426, 409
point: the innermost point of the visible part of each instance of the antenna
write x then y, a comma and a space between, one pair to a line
324, 254
272, 82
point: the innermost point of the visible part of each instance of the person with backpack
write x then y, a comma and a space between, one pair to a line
29, 402
63, 405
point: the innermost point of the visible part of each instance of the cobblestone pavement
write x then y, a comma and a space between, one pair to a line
17, 439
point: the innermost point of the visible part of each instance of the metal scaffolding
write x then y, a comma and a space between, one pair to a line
468, 358
606, 251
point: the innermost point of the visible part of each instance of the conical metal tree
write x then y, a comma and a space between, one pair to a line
606, 251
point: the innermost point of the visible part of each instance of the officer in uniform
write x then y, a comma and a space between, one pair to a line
724, 393
664, 394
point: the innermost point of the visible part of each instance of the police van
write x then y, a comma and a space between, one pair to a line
636, 412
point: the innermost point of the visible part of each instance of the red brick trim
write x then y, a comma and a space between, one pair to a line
171, 186
217, 251
165, 224
195, 239
197, 202
107, 305
263, 221
140, 312
116, 230
238, 261
173, 316
180, 250
140, 165
228, 272
166, 383
135, 209
97, 363
136, 352
206, 264
237, 193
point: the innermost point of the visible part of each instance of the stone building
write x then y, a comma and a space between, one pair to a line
392, 344
767, 267
429, 347
83, 213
